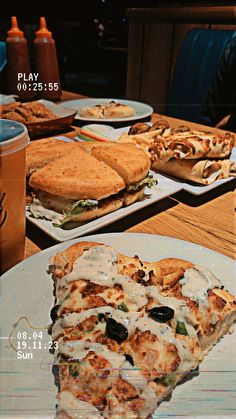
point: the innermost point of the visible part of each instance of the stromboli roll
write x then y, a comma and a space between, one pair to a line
204, 172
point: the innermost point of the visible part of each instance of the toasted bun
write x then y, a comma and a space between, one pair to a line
107, 206
60, 205
89, 145
41, 152
78, 175
129, 161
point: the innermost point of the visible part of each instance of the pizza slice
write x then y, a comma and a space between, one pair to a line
128, 331
107, 111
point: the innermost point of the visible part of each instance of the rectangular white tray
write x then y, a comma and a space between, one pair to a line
163, 189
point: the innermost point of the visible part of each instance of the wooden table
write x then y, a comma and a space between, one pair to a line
207, 219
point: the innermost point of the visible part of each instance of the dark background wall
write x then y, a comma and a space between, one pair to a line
91, 38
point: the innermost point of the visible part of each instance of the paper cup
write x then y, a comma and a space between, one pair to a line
13, 140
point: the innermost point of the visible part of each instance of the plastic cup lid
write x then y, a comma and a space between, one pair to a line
13, 136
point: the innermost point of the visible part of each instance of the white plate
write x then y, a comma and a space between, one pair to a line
164, 188
142, 109
27, 386
201, 189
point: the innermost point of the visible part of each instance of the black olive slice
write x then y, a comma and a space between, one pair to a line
116, 331
161, 314
129, 359
53, 313
101, 317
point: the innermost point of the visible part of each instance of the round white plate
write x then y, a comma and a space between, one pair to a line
27, 385
142, 109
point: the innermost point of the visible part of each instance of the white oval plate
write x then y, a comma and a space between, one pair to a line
27, 386
142, 109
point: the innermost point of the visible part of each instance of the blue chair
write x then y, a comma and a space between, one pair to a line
3, 55
196, 65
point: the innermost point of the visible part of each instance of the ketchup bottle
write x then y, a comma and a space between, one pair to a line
18, 63
46, 64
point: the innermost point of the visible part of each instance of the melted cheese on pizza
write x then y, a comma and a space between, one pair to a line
113, 353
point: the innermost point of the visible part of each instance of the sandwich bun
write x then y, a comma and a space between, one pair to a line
78, 175
105, 206
60, 205
129, 161
41, 152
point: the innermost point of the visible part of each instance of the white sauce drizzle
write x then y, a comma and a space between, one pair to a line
161, 330
133, 376
136, 293
76, 408
188, 361
196, 282
78, 349
98, 266
73, 319
132, 321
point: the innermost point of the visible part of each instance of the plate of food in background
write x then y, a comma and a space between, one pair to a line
41, 117
109, 110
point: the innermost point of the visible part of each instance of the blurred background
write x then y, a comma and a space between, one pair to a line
91, 38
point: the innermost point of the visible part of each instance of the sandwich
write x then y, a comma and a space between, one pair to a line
129, 162
81, 186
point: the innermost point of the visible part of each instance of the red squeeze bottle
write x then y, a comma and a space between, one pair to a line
46, 64
18, 63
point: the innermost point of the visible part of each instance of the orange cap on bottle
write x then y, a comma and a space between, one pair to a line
15, 31
43, 30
